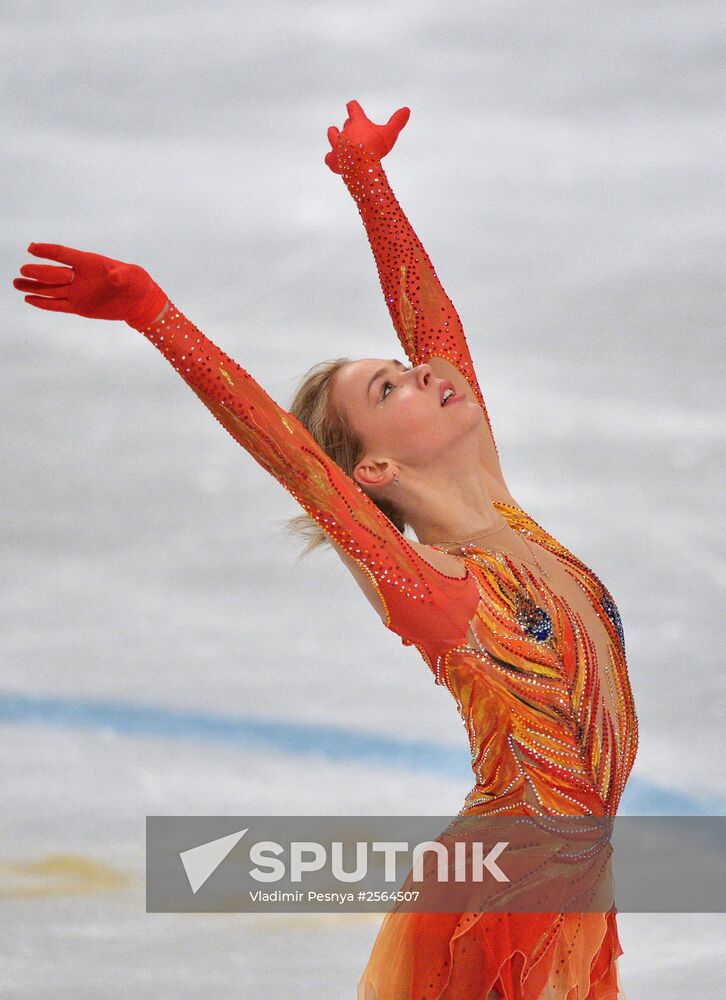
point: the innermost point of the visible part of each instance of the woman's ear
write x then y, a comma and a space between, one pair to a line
373, 474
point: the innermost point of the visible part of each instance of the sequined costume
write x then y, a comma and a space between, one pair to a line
536, 666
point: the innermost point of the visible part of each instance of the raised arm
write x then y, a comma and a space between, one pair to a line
422, 604
424, 317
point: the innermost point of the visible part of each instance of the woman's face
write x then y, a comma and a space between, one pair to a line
400, 414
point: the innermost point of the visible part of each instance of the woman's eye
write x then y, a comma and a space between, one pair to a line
384, 393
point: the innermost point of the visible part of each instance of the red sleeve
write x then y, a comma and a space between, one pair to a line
423, 605
423, 315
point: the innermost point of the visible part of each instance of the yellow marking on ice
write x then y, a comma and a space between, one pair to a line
59, 875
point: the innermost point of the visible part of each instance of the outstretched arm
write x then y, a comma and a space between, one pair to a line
424, 317
421, 603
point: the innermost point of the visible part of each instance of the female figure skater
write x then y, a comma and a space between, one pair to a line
524, 635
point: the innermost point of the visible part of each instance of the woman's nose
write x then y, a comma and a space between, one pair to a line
423, 374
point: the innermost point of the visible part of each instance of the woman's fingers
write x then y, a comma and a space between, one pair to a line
331, 160
54, 305
398, 119
48, 273
355, 111
45, 278
357, 128
54, 251
43, 287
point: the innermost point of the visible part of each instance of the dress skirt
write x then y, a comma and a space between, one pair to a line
494, 956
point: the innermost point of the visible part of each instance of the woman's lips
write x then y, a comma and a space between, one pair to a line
453, 399
447, 386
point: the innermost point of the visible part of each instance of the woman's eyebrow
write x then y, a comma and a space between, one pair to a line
382, 371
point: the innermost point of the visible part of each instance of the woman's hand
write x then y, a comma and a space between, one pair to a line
377, 139
91, 285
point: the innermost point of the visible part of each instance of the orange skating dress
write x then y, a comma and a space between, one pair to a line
535, 660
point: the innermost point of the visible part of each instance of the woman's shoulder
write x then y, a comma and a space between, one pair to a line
444, 562
449, 565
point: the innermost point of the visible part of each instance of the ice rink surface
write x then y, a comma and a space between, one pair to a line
163, 652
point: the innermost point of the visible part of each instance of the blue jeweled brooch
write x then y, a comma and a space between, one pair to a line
611, 610
533, 620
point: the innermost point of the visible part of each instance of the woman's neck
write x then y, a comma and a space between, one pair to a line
448, 508
486, 537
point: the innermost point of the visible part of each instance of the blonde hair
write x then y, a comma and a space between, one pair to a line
312, 406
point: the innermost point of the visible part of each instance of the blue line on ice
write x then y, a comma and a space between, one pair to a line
333, 742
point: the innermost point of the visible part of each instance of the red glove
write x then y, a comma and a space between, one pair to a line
93, 286
377, 139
